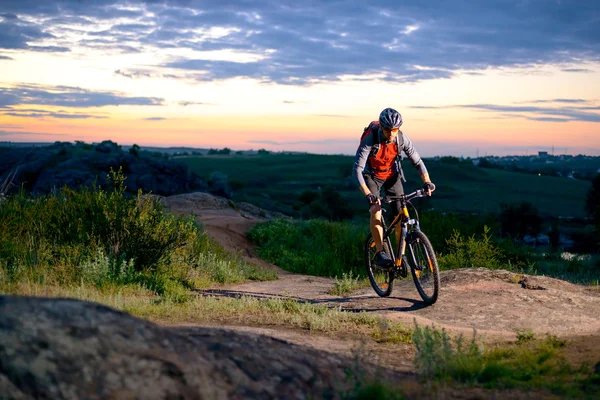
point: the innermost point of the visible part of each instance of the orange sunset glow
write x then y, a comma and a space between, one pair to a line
306, 78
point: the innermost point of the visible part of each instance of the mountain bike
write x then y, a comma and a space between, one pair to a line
414, 252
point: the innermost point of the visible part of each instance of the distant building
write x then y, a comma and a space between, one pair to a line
542, 154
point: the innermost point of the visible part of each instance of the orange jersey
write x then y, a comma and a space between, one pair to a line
382, 163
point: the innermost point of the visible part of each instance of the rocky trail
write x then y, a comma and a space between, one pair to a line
494, 303
71, 349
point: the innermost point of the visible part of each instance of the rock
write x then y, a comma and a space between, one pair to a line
531, 283
42, 170
70, 349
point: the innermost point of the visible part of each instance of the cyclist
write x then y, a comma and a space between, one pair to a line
377, 166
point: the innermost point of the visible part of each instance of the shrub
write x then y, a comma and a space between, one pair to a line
529, 364
518, 220
314, 247
471, 252
347, 284
326, 203
98, 236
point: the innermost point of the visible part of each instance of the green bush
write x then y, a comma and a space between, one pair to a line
98, 236
529, 364
439, 226
314, 247
335, 249
326, 203
519, 220
471, 252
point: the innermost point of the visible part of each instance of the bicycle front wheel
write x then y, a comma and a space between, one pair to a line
381, 280
423, 266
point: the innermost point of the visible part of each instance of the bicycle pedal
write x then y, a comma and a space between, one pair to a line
401, 272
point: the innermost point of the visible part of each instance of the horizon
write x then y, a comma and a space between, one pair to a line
532, 153
500, 77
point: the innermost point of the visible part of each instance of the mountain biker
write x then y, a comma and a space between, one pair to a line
377, 166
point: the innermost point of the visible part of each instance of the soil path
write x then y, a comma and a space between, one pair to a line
492, 302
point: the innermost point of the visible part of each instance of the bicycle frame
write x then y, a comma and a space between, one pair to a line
413, 253
402, 218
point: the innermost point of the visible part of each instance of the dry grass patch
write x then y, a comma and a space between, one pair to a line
286, 312
275, 312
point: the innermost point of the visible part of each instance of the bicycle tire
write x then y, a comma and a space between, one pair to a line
424, 269
381, 280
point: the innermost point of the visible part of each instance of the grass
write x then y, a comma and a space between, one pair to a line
367, 390
335, 249
579, 269
347, 284
283, 312
524, 335
528, 364
98, 237
314, 247
274, 181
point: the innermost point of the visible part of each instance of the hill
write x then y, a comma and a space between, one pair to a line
42, 169
275, 181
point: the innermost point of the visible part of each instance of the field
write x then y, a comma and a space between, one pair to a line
274, 181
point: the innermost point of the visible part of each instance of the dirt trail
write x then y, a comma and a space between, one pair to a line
492, 302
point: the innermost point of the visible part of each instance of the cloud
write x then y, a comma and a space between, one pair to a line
573, 101
17, 34
41, 114
154, 119
150, 74
562, 114
49, 49
574, 110
194, 103
292, 142
68, 96
18, 133
333, 116
306, 43
5, 57
582, 70
11, 126
134, 74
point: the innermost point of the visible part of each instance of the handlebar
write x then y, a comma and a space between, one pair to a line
405, 197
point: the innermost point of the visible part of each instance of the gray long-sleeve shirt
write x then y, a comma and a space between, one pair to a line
364, 150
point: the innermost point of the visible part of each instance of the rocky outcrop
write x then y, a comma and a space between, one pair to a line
47, 168
69, 349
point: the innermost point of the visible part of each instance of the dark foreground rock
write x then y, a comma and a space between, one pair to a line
69, 349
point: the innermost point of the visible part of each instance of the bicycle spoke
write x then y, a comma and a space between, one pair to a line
424, 267
381, 279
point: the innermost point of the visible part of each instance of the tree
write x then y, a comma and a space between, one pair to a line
219, 184
134, 150
592, 199
325, 203
518, 220
592, 204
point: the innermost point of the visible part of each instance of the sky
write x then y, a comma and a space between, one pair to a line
470, 78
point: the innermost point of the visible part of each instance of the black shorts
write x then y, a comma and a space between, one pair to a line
392, 186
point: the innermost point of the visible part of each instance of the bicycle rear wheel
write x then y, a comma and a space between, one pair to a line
382, 280
423, 266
